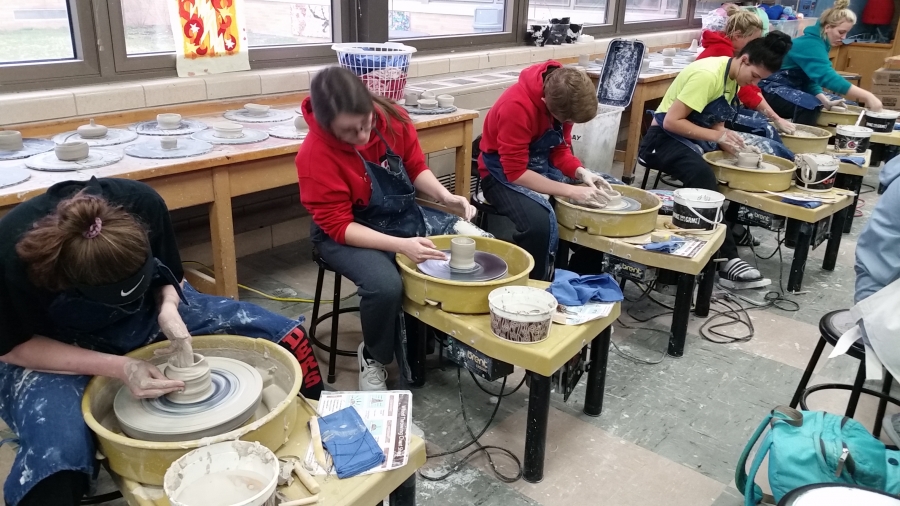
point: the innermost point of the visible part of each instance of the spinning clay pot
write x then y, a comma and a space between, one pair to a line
462, 253
197, 386
748, 160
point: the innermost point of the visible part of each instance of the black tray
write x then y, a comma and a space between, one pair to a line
621, 70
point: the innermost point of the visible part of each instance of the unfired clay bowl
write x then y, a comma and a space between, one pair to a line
669, 51
72, 151
256, 109
299, 123
92, 130
748, 160
168, 121
227, 130
615, 198
168, 142
11, 140
412, 98
427, 103
427, 94
445, 101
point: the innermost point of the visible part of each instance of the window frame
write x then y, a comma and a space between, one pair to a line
516, 21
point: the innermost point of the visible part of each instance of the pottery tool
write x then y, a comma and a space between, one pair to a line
30, 147
97, 157
113, 136
316, 434
270, 116
487, 267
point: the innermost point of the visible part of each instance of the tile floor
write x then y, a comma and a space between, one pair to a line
669, 434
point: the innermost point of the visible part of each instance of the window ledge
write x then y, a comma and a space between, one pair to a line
29, 107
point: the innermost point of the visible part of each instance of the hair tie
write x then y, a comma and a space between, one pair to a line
94, 229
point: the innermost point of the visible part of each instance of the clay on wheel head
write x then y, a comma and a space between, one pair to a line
197, 385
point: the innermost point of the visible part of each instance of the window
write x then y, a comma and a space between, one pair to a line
704, 6
412, 19
35, 31
587, 12
638, 11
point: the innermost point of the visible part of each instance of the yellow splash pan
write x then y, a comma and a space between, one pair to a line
612, 223
146, 461
459, 297
799, 144
832, 119
752, 180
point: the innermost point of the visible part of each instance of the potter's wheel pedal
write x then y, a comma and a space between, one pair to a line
487, 267
236, 393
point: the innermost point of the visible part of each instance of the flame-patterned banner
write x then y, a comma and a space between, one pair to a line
210, 37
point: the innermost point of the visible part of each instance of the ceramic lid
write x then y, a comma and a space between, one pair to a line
854, 131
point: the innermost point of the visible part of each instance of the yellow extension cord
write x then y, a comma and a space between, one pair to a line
263, 294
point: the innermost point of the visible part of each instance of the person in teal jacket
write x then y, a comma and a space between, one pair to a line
796, 91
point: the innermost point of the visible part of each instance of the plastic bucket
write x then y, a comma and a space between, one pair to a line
852, 138
695, 208
881, 121
816, 174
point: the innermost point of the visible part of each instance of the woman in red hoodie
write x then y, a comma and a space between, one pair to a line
741, 27
526, 154
359, 170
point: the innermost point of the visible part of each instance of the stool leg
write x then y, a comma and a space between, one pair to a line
807, 374
882, 403
317, 300
335, 320
857, 389
646, 178
656, 182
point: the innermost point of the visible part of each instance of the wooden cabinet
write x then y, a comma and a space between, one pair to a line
863, 59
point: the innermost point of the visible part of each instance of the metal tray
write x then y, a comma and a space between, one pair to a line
621, 70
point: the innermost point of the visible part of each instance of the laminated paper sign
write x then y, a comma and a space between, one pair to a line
210, 36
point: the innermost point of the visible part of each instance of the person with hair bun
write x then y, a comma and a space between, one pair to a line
692, 118
741, 27
91, 271
796, 90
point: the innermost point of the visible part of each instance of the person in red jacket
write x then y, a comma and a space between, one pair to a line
741, 27
526, 154
359, 170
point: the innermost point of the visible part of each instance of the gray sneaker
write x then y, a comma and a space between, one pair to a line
372, 375
891, 424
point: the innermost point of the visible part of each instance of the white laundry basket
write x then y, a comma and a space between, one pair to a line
383, 67
594, 142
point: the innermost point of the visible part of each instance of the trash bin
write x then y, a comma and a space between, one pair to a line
594, 142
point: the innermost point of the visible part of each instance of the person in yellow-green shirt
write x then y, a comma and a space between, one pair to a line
693, 119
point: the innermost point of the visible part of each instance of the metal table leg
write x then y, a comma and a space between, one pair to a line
416, 349
536, 429
834, 236
683, 299
854, 184
801, 252
405, 494
596, 380
562, 254
705, 289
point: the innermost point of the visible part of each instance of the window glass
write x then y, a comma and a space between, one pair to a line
35, 30
586, 12
637, 11
415, 18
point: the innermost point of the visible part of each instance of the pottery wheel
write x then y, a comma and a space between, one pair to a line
98, 157
271, 116
414, 109
10, 176
731, 163
236, 392
287, 132
188, 126
487, 267
152, 149
113, 137
627, 205
30, 147
248, 136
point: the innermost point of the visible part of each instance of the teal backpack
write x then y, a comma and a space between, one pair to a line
814, 447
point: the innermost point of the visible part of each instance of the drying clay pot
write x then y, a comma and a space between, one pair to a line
462, 253
256, 109
445, 101
668, 61
427, 95
412, 98
427, 103
227, 130
197, 385
299, 123
168, 121
584, 60
11, 140
168, 142
645, 65
72, 151
748, 160
669, 51
92, 131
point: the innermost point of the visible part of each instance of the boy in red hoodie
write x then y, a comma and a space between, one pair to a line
526, 154
741, 27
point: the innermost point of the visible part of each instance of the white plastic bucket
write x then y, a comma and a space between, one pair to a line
816, 173
696, 208
232, 473
594, 142
882, 121
852, 137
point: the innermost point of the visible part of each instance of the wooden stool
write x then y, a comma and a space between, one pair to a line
335, 313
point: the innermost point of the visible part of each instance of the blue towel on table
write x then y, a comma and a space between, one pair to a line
570, 289
664, 247
859, 161
350, 443
801, 203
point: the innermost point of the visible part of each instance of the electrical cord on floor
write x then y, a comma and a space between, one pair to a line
871, 188
266, 295
475, 441
499, 395
860, 203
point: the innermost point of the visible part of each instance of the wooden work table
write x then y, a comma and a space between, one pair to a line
227, 171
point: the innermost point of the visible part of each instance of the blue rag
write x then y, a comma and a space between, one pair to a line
802, 203
350, 443
570, 289
665, 246
859, 161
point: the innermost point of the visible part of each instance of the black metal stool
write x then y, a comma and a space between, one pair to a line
671, 182
335, 313
477, 199
831, 327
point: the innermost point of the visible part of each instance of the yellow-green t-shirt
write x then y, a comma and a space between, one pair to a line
699, 84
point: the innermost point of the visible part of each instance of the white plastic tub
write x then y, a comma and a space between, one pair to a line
594, 142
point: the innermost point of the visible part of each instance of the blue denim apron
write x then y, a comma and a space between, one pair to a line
789, 85
718, 111
44, 409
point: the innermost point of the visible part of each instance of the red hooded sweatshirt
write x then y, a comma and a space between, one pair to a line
332, 176
717, 44
520, 117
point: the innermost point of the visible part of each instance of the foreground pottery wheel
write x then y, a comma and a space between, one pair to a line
612, 223
147, 461
777, 177
464, 297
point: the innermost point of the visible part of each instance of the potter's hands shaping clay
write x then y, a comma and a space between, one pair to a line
593, 180
786, 127
459, 204
588, 195
145, 381
419, 249
828, 104
730, 142
180, 349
